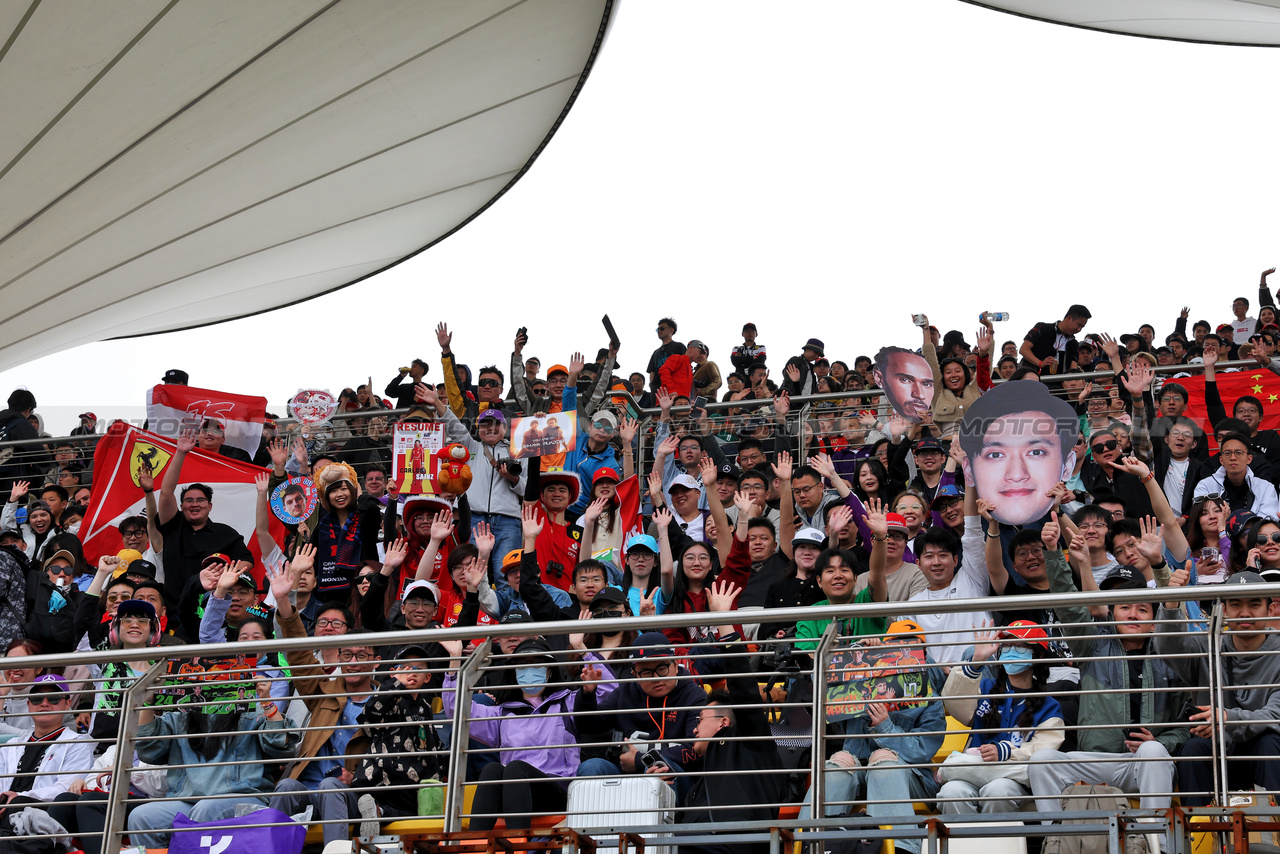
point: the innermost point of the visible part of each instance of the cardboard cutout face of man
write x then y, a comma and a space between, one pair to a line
907, 381
1019, 441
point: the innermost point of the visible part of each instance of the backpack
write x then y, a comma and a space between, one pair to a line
1087, 798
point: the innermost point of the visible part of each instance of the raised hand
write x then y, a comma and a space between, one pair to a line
278, 452
442, 526
300, 450
1151, 545
1110, 346
595, 509
1085, 391
1136, 377
665, 398
897, 427
839, 519
721, 595
984, 340
262, 481
530, 523
19, 491
986, 509
823, 465
484, 539
627, 431
707, 468
985, 645
1133, 465
747, 508
1185, 313
395, 553
591, 676
666, 448
876, 519
186, 441
782, 468
793, 373
227, 578
423, 393
648, 607
473, 572
1210, 354
662, 518
303, 559
282, 581
782, 404
443, 336
576, 364
1050, 533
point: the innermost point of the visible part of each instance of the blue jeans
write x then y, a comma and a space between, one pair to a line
507, 537
884, 782
150, 824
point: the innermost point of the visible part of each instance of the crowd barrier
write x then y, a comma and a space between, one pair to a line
796, 722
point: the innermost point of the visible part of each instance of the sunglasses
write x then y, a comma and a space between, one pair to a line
605, 613
62, 570
539, 392
44, 699
1273, 537
1109, 445
490, 384
1213, 496
603, 426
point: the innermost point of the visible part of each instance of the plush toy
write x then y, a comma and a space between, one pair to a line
454, 475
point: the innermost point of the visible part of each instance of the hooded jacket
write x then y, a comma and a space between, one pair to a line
1104, 677
530, 732
489, 492
1265, 502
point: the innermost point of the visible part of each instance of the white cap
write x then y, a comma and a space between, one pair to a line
685, 480
808, 537
422, 585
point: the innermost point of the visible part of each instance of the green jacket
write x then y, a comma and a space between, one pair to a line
809, 632
1109, 678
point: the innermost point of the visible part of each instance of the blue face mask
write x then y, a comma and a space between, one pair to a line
1016, 659
531, 679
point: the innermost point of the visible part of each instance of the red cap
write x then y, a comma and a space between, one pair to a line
897, 522
1025, 630
88, 415
605, 473
1227, 326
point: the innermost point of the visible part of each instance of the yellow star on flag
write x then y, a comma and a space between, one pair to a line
1271, 398
1257, 389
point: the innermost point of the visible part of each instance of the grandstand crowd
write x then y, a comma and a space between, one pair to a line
787, 495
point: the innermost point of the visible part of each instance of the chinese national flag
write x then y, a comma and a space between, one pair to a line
116, 493
1259, 383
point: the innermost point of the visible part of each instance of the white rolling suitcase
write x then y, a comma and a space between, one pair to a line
615, 804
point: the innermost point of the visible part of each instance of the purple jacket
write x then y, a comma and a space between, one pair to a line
501, 726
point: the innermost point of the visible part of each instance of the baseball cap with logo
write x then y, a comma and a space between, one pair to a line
1026, 631
808, 537
897, 523
685, 481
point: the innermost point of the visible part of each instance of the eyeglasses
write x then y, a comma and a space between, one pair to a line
490, 384
61, 570
137, 619
348, 655
1109, 445
195, 501
1274, 538
129, 535
44, 699
336, 624
658, 670
417, 603
1232, 454
1093, 526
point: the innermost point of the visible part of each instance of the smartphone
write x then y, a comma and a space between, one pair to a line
700, 403
614, 341
917, 319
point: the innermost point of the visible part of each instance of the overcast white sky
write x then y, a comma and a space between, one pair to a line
822, 170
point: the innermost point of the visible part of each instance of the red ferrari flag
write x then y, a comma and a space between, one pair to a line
1259, 383
118, 459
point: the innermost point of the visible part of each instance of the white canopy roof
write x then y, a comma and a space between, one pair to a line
1233, 22
172, 163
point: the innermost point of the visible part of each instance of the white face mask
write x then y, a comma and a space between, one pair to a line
74, 527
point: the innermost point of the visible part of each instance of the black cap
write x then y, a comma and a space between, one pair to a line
174, 376
1123, 578
411, 651
142, 567
609, 596
730, 471
535, 649
1246, 577
517, 616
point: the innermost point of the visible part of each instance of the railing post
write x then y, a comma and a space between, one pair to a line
641, 476
1217, 738
802, 442
122, 770
455, 786
818, 758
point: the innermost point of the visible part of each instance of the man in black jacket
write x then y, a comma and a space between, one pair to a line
1099, 474
402, 392
15, 426
1177, 466
732, 734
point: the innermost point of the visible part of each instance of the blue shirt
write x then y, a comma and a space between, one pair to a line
336, 746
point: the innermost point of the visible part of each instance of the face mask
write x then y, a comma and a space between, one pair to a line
74, 527
1016, 659
530, 679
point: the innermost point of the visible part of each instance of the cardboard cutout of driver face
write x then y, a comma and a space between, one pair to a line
907, 381
1019, 441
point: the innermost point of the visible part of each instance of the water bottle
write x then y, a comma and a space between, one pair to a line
993, 316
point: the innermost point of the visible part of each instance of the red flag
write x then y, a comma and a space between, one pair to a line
1259, 383
629, 513
170, 407
116, 493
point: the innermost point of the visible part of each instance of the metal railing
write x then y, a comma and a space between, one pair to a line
485, 670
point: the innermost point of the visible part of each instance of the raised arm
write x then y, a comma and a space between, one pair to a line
262, 515
168, 506
154, 537
518, 385
786, 506
627, 433
666, 564
724, 531
1174, 539
993, 550
876, 578
441, 528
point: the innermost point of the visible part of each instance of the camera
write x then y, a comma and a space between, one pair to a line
512, 467
555, 568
